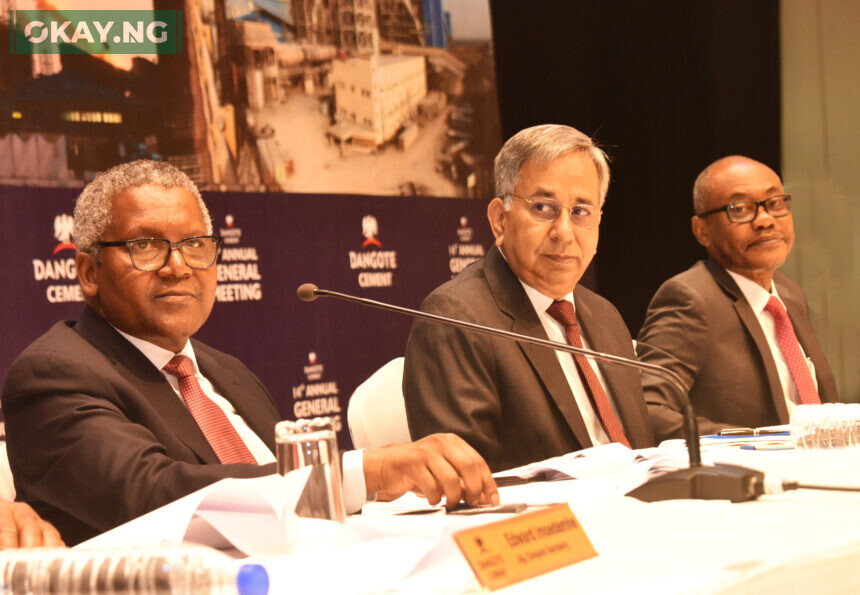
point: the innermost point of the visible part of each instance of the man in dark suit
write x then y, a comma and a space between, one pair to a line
733, 327
518, 403
122, 412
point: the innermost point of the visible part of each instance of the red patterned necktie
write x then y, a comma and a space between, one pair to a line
213, 422
790, 348
563, 312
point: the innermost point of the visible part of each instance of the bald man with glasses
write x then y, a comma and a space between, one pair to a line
733, 327
517, 403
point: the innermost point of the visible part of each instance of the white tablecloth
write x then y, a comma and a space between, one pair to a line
802, 541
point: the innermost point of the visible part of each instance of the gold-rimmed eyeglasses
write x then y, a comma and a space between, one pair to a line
547, 209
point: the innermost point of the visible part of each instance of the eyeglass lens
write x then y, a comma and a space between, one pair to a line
152, 254
746, 210
544, 209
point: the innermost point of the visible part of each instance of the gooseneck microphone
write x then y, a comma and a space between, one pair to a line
718, 482
308, 292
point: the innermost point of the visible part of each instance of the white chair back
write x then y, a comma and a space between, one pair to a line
376, 414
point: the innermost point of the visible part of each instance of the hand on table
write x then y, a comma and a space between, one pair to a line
20, 526
435, 466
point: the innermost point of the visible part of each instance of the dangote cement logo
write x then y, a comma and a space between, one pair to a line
370, 262
230, 234
370, 229
60, 273
95, 32
464, 232
314, 369
315, 396
64, 225
239, 277
464, 251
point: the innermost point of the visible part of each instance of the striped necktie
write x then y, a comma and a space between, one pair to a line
563, 311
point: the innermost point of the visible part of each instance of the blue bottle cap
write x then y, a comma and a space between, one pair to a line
252, 579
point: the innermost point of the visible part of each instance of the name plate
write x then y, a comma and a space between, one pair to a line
525, 546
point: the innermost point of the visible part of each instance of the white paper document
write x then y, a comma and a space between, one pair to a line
255, 516
597, 461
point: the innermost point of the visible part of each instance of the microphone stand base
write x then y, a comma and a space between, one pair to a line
718, 482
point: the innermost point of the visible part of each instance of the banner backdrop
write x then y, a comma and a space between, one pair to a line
311, 356
267, 104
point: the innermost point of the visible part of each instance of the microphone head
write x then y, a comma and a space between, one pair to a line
307, 292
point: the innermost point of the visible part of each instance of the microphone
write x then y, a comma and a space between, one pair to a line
307, 292
699, 482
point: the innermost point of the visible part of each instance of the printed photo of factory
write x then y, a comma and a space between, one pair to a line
368, 97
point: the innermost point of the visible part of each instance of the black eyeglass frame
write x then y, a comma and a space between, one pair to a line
596, 212
758, 204
173, 246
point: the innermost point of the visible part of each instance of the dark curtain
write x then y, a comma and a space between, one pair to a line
666, 88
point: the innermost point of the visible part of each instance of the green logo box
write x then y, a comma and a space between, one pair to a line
96, 32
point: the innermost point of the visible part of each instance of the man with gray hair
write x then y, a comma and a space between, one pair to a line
122, 411
517, 403
733, 327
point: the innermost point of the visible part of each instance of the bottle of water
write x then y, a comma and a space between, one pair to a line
174, 570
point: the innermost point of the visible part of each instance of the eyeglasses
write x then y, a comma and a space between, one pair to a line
744, 211
548, 209
150, 254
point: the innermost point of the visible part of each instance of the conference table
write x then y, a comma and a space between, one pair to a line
791, 542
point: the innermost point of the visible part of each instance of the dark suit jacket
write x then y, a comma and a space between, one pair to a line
700, 325
510, 401
96, 435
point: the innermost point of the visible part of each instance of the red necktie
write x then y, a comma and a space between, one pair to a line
563, 312
213, 422
790, 348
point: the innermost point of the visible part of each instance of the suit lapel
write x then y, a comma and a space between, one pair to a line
751, 323
803, 329
252, 410
513, 301
602, 341
146, 379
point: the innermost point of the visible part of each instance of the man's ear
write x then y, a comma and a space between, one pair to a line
86, 266
700, 230
498, 217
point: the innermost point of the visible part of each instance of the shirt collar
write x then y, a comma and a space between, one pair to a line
542, 302
160, 356
756, 295
539, 301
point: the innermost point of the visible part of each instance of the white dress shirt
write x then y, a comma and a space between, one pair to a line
556, 332
757, 297
353, 466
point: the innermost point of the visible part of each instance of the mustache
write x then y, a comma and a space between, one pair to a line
767, 236
179, 288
